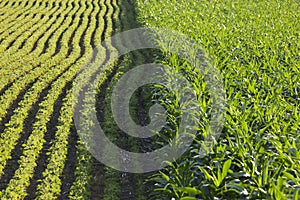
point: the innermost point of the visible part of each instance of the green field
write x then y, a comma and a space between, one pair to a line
254, 45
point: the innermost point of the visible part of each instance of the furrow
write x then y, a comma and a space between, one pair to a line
17, 59
29, 99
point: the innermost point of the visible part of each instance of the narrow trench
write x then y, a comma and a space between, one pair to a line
129, 188
12, 164
14, 104
43, 157
70, 165
128, 181
97, 184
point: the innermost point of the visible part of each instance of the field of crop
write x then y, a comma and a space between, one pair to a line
43, 45
254, 45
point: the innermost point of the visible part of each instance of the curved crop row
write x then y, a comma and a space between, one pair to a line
5, 3
116, 183
130, 21
44, 44
112, 178
49, 187
44, 64
4, 8
34, 46
34, 143
14, 127
23, 33
9, 13
23, 19
14, 41
13, 55
80, 186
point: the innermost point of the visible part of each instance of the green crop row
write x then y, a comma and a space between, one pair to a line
20, 181
112, 178
25, 27
15, 59
2, 3
10, 136
7, 19
10, 14
50, 185
255, 46
81, 185
44, 63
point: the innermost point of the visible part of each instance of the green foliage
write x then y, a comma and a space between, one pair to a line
255, 46
52, 71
